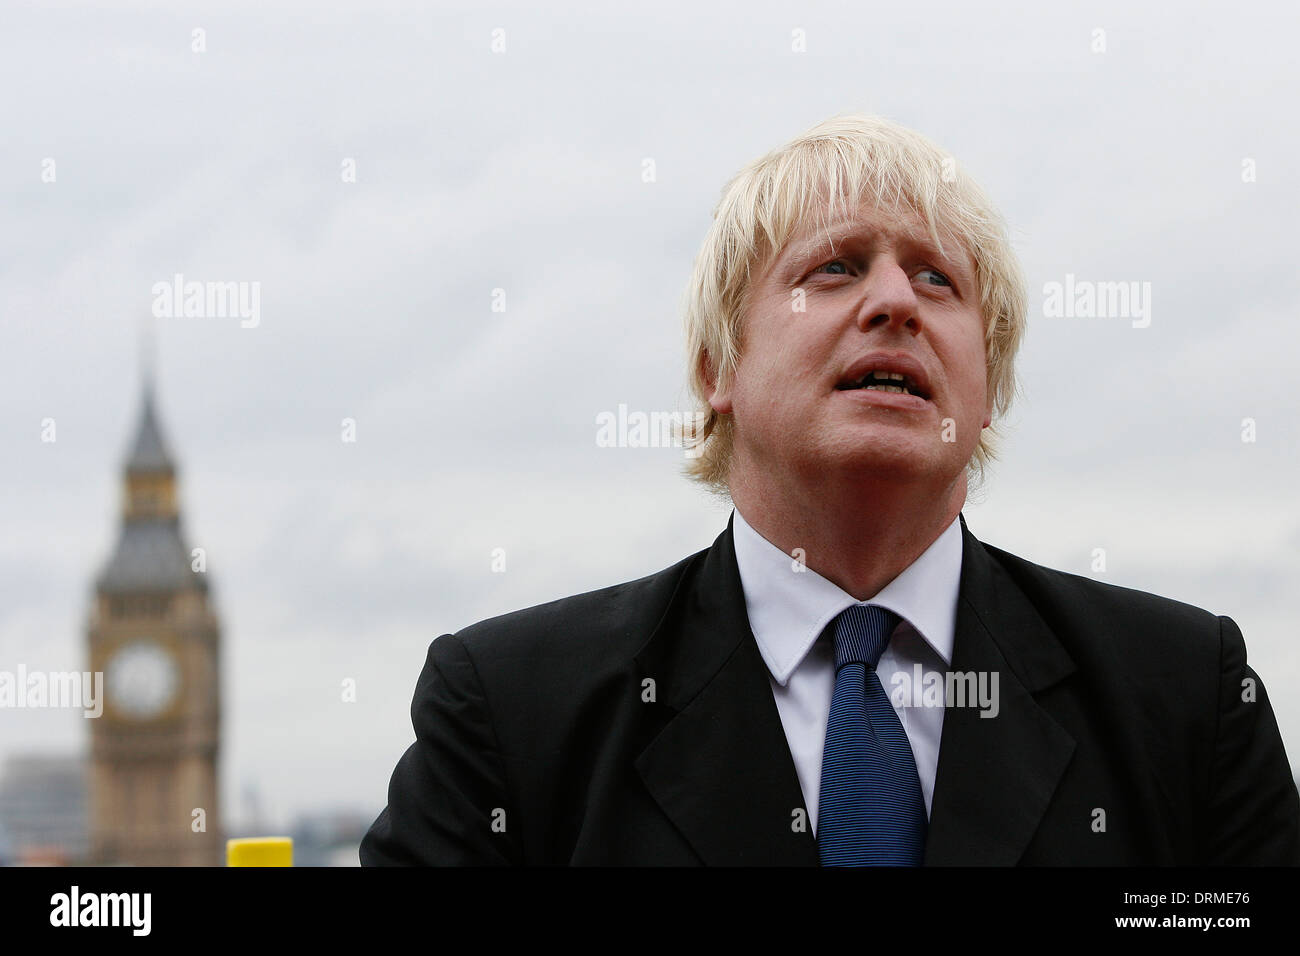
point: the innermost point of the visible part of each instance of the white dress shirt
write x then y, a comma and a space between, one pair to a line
789, 609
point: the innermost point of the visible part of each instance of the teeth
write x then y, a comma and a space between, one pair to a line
884, 381
882, 376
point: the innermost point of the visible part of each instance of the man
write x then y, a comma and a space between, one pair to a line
847, 676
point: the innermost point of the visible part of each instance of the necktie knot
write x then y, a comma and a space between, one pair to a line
862, 633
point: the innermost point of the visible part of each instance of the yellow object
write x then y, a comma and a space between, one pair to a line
260, 851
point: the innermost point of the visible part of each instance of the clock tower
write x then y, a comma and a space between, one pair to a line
153, 634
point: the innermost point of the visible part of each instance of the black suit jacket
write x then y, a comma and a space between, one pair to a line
636, 725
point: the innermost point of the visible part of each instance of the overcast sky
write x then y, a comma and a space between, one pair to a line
521, 170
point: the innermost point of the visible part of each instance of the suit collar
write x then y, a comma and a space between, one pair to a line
995, 605
996, 775
721, 768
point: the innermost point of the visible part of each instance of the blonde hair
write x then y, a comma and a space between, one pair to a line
848, 157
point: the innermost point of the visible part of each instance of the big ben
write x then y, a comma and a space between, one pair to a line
153, 634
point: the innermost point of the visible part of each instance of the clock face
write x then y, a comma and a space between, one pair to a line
142, 679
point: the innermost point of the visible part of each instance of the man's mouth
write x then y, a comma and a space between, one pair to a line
884, 381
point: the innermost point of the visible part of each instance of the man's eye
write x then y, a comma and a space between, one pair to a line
833, 262
943, 279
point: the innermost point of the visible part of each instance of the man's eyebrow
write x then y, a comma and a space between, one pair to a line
805, 249
812, 246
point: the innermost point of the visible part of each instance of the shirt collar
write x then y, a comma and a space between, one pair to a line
788, 609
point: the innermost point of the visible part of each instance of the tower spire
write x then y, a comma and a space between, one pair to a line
150, 552
146, 353
149, 450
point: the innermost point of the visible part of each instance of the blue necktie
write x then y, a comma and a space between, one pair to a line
871, 812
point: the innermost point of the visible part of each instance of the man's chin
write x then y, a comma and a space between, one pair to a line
885, 457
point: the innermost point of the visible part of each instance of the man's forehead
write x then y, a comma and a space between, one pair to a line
897, 222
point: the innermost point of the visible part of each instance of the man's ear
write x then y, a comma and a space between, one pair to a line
719, 400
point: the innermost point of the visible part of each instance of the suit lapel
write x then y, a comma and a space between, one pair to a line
721, 767
996, 775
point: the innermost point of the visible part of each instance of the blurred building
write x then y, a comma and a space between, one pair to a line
329, 838
43, 810
154, 751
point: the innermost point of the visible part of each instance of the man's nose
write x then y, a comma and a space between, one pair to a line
888, 297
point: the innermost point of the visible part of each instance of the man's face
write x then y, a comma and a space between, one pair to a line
883, 299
